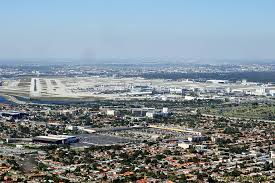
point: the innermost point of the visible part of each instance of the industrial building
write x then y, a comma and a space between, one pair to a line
56, 139
110, 112
215, 81
142, 111
13, 114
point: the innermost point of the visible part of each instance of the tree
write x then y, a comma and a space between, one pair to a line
182, 178
268, 166
211, 180
160, 156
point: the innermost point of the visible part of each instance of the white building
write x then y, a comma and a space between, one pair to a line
71, 127
176, 90
165, 110
260, 91
150, 114
111, 112
189, 98
214, 81
184, 145
272, 93
56, 139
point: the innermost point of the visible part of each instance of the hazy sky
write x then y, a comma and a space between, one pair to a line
81, 29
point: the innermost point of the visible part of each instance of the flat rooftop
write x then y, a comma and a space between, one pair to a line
53, 137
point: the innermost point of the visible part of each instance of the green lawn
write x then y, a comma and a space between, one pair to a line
245, 111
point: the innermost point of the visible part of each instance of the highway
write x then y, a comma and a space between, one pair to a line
13, 99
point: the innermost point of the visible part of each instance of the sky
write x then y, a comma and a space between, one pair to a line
134, 29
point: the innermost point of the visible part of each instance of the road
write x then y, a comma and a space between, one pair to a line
13, 99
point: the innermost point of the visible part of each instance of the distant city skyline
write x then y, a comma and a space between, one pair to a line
119, 29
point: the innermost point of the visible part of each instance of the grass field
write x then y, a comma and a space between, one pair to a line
254, 111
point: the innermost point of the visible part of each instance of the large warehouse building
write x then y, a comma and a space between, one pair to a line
56, 139
13, 114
